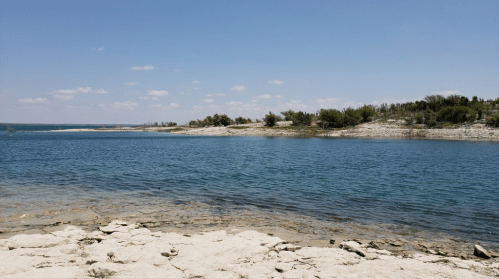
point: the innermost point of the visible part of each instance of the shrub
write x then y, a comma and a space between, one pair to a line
352, 117
302, 118
270, 119
225, 120
288, 115
242, 120
365, 112
457, 114
493, 121
331, 118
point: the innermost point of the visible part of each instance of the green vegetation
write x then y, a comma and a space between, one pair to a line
433, 111
493, 121
270, 119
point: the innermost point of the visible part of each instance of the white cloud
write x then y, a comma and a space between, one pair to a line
160, 106
240, 106
132, 83
209, 101
351, 104
64, 91
328, 102
278, 96
33, 101
277, 82
294, 104
126, 105
137, 68
264, 96
144, 98
196, 82
98, 49
448, 92
90, 90
63, 97
238, 88
158, 93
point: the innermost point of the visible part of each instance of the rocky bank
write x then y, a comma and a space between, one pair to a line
121, 250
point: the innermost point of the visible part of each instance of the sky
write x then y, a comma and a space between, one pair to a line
134, 62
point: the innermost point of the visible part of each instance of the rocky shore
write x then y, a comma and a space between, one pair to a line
376, 129
121, 250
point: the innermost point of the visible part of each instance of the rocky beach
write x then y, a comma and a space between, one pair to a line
130, 250
375, 129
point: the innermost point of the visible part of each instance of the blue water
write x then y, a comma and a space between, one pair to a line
4, 127
444, 186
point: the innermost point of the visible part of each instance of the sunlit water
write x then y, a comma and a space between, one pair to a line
442, 186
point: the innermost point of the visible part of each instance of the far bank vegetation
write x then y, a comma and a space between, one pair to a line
434, 111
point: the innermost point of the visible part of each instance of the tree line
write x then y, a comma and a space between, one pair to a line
432, 111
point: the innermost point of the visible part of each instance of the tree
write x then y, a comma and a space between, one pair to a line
225, 120
270, 119
302, 118
352, 117
331, 118
288, 115
366, 112
457, 114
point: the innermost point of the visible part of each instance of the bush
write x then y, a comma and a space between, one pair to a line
493, 121
302, 118
457, 114
365, 112
242, 120
331, 118
288, 115
270, 119
225, 120
352, 117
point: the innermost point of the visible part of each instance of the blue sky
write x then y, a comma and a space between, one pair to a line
146, 61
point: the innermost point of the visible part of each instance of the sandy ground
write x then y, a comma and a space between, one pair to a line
121, 250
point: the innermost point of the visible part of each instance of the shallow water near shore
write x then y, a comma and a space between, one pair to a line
323, 187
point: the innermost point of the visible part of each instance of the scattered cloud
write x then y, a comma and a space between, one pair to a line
63, 97
277, 96
98, 49
158, 93
132, 83
196, 82
33, 101
351, 105
137, 68
294, 104
448, 92
240, 106
126, 105
170, 106
276, 82
209, 101
264, 96
238, 88
328, 102
144, 98
90, 90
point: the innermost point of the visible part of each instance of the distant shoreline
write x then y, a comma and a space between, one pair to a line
376, 129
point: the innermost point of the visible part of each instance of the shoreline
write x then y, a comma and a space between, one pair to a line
123, 249
375, 130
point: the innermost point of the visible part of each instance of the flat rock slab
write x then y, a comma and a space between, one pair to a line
120, 250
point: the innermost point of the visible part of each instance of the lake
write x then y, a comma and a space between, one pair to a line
439, 186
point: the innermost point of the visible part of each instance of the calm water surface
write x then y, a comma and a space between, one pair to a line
445, 186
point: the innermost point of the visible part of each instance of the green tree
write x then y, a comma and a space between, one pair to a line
352, 117
331, 118
302, 118
288, 115
270, 119
225, 120
457, 114
365, 112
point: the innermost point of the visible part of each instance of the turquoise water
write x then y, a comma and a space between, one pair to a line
444, 186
